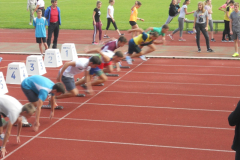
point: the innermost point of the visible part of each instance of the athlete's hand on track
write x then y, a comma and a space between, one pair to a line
3, 150
18, 139
36, 126
51, 115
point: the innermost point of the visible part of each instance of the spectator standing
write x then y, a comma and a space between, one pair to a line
31, 5
40, 5
208, 7
53, 17
97, 23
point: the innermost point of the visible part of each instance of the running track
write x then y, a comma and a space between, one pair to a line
161, 109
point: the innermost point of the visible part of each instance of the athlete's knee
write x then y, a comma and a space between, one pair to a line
74, 92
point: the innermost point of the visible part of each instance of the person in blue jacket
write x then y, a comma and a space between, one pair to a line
53, 17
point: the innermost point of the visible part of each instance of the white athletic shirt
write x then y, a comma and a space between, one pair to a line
41, 3
109, 54
10, 107
81, 65
111, 11
207, 7
182, 11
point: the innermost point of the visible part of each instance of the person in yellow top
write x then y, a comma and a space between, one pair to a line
136, 43
229, 10
133, 17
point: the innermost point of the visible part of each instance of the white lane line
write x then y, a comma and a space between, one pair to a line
135, 144
171, 94
142, 123
154, 107
190, 74
200, 66
129, 81
69, 113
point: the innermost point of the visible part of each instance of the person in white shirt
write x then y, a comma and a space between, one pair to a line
69, 69
13, 109
40, 5
31, 5
181, 19
208, 7
110, 19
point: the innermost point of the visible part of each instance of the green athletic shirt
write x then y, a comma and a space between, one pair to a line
158, 30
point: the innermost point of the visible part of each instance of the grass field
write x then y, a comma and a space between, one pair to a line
77, 14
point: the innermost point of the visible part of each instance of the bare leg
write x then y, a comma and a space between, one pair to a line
109, 69
134, 33
71, 93
118, 32
102, 79
40, 47
236, 45
150, 49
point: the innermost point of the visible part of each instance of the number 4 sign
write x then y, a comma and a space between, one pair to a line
3, 86
16, 73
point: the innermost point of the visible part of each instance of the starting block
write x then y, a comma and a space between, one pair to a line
126, 67
3, 86
112, 75
52, 58
35, 65
16, 73
69, 52
49, 107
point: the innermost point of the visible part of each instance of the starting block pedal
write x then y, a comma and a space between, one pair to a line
112, 75
125, 67
125, 59
100, 84
49, 107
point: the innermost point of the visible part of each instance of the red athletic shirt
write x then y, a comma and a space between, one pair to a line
54, 15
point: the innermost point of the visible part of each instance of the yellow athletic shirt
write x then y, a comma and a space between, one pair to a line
230, 10
142, 38
134, 13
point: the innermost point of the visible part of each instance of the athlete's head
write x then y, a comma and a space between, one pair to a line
28, 110
54, 3
236, 6
112, 2
227, 2
178, 1
138, 4
118, 56
174, 2
99, 4
122, 41
153, 35
94, 61
165, 28
231, 2
58, 89
201, 7
186, 2
39, 13
208, 2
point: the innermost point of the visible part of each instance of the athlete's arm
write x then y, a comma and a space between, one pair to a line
38, 111
194, 23
93, 16
88, 82
65, 66
7, 134
185, 9
19, 128
149, 29
136, 30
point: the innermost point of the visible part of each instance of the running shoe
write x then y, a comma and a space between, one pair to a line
1, 59
210, 50
231, 41
171, 36
84, 86
30, 23
199, 49
190, 32
94, 43
181, 39
224, 40
121, 34
80, 95
106, 36
213, 40
128, 59
143, 58
235, 54
25, 122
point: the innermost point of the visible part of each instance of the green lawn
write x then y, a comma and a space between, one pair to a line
77, 14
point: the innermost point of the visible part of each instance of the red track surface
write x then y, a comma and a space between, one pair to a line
161, 109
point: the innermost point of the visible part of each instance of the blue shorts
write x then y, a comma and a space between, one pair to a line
68, 82
97, 71
31, 96
132, 47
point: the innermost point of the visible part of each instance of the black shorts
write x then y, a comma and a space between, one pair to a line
41, 40
31, 96
68, 82
132, 23
132, 47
